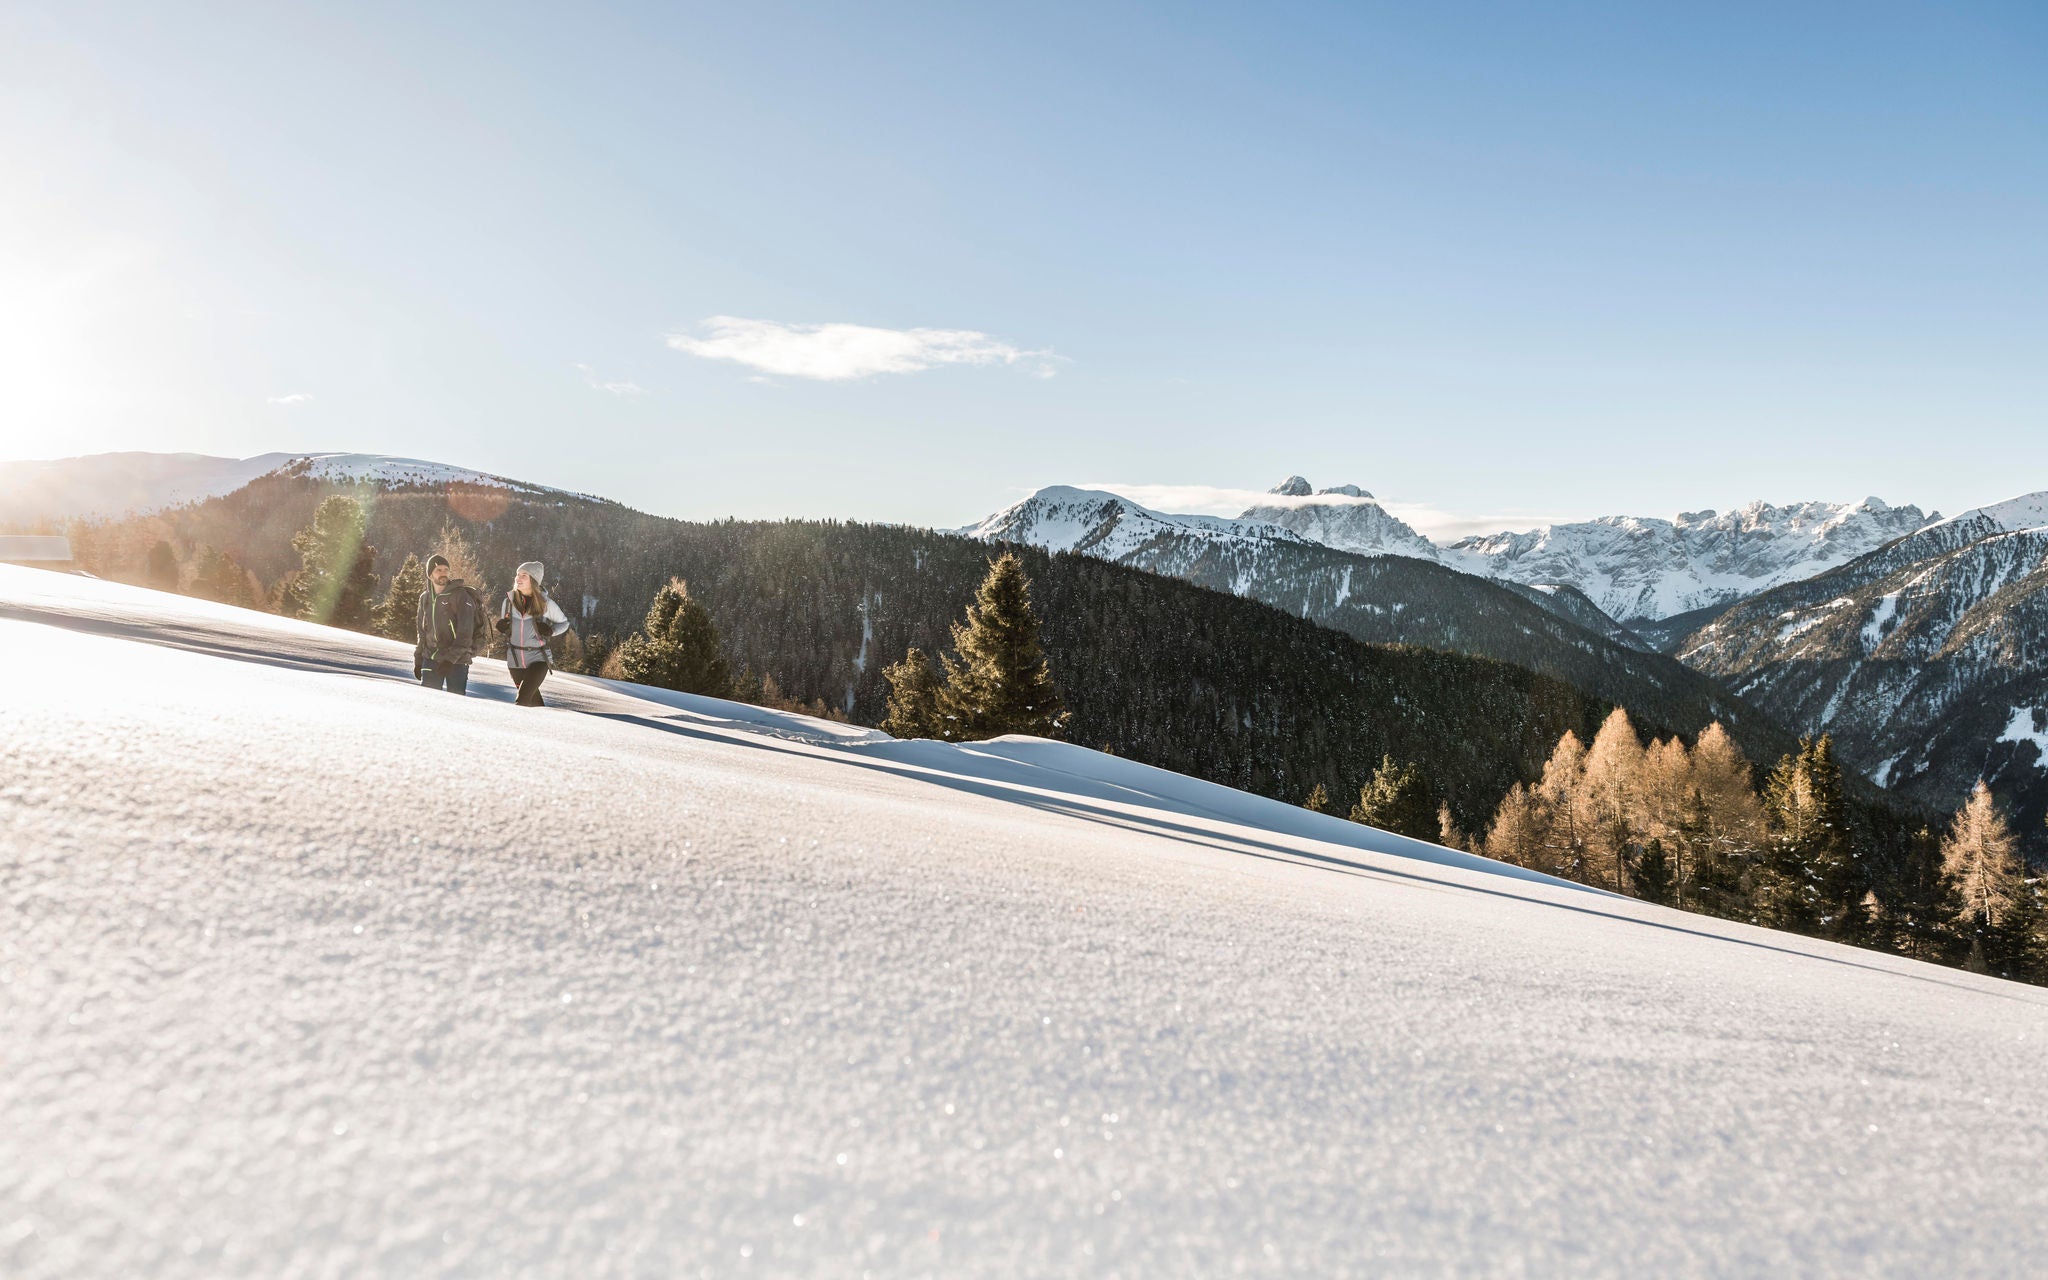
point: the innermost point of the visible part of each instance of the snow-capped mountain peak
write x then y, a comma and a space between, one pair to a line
1100, 523
1642, 567
1345, 517
2028, 511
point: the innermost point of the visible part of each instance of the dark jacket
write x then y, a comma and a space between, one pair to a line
452, 625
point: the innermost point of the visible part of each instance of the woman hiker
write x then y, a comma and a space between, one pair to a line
529, 619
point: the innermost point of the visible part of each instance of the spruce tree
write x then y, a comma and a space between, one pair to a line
1318, 800
1811, 881
217, 576
1654, 874
163, 566
913, 698
398, 616
338, 569
997, 678
1398, 799
677, 646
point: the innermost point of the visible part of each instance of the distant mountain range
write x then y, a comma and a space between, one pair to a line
1633, 568
1927, 659
1921, 645
1380, 598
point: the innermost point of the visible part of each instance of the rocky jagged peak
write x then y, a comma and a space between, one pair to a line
1293, 487
1345, 490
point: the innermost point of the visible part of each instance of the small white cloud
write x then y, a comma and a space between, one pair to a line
591, 380
296, 397
837, 352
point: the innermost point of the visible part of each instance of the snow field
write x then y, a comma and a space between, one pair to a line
307, 971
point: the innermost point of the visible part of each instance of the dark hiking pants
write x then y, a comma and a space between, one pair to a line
446, 675
528, 679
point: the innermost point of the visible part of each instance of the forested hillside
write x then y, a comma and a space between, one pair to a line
1152, 668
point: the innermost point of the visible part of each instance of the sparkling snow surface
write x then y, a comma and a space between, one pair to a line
306, 971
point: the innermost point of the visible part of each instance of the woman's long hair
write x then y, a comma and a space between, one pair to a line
530, 605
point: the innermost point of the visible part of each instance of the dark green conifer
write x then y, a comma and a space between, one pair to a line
677, 647
1398, 799
1654, 875
1811, 881
339, 575
398, 616
162, 570
913, 698
997, 678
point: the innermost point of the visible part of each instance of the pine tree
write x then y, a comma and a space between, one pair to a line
1398, 799
1655, 877
1810, 881
1519, 833
677, 646
1448, 833
1318, 800
997, 678
913, 698
162, 570
1613, 765
748, 686
1980, 860
1567, 809
398, 616
217, 576
338, 568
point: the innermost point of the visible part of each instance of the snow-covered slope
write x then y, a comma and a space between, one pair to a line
117, 484
1099, 523
383, 469
1644, 568
307, 971
1345, 517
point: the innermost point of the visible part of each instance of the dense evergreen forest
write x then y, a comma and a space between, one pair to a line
1153, 669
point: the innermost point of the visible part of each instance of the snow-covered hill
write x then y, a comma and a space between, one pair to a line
116, 484
109, 485
391, 472
305, 970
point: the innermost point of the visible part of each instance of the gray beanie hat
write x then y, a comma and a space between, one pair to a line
533, 569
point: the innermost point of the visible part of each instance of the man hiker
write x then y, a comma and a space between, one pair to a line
451, 628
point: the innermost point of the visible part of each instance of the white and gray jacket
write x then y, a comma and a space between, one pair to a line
525, 646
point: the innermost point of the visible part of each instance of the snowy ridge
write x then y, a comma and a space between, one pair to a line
1102, 524
2028, 511
1645, 568
744, 993
1345, 517
383, 469
1631, 568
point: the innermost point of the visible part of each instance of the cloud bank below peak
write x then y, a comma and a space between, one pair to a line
843, 352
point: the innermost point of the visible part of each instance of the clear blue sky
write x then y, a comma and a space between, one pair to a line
1564, 259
